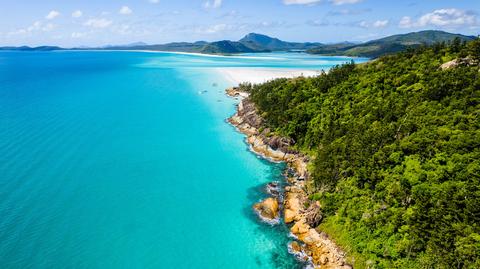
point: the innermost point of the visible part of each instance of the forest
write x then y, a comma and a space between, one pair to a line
395, 145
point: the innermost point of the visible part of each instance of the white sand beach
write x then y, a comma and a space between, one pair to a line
260, 75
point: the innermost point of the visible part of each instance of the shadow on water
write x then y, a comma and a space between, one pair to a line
278, 233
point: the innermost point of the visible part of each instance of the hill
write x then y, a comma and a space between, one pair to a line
27, 48
229, 47
254, 40
391, 44
395, 145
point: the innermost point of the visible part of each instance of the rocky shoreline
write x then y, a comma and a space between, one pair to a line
310, 245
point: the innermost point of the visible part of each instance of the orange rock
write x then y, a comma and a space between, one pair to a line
295, 246
289, 215
300, 228
268, 208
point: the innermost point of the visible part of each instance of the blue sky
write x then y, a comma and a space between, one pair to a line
93, 23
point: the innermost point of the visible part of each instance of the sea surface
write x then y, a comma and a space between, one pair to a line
124, 160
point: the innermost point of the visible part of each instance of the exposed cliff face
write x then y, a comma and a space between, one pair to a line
250, 123
304, 215
459, 62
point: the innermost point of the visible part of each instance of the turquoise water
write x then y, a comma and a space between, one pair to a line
114, 160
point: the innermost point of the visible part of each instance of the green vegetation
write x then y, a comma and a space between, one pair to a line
253, 42
229, 47
396, 148
388, 45
258, 41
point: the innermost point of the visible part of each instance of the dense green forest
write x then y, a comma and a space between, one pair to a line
396, 149
389, 44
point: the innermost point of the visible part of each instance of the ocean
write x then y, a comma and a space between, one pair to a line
124, 160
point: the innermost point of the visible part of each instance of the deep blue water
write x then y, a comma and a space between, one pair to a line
114, 160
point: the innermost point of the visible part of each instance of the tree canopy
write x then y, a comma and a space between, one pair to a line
396, 149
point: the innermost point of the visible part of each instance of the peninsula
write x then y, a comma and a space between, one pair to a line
383, 158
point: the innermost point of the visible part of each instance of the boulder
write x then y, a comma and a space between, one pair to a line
289, 215
295, 246
273, 189
292, 205
459, 62
267, 208
300, 228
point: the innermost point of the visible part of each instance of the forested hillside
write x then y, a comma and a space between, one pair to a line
396, 149
389, 45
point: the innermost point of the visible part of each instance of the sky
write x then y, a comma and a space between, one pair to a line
76, 23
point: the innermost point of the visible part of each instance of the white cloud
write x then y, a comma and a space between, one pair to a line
376, 24
216, 28
363, 24
348, 12
406, 22
98, 23
300, 2
380, 24
343, 2
123, 29
312, 2
213, 4
78, 35
125, 10
77, 14
52, 15
48, 27
318, 22
441, 18
36, 26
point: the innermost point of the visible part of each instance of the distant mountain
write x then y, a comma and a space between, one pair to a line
175, 46
226, 46
258, 41
253, 42
137, 44
26, 48
390, 44
249, 44
422, 37
131, 45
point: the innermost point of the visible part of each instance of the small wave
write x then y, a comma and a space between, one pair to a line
301, 256
291, 235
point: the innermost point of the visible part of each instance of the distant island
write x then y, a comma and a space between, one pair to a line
256, 43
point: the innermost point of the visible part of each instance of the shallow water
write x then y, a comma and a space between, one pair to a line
115, 160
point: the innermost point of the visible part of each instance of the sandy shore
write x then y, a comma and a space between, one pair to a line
259, 75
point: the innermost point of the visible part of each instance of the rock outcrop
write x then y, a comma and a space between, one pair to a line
459, 62
235, 92
304, 215
293, 204
263, 143
313, 215
268, 208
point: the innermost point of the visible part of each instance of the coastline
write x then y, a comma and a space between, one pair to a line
235, 56
237, 75
297, 211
